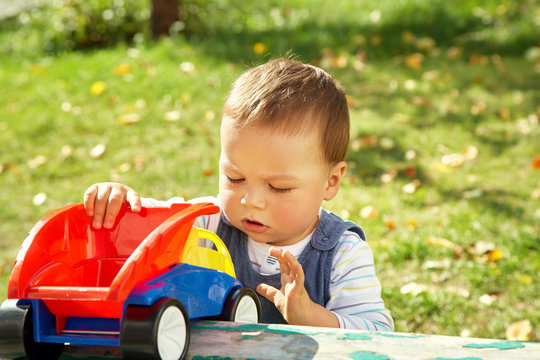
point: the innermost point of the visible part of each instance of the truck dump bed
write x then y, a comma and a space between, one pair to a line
81, 271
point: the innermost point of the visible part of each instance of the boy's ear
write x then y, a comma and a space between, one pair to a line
334, 179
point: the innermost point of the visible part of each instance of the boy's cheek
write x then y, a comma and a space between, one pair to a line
228, 199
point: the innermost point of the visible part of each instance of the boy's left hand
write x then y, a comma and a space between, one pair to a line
293, 300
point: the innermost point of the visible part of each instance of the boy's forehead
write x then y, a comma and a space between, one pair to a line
235, 140
292, 125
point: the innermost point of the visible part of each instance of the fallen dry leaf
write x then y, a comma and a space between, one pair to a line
123, 167
408, 37
208, 173
411, 187
209, 115
39, 199
412, 224
410, 84
359, 61
122, 69
535, 163
37, 161
402, 118
526, 279
388, 176
434, 264
375, 16
339, 61
519, 331
481, 247
365, 142
445, 243
470, 153
495, 255
376, 40
504, 114
98, 88
387, 143
138, 162
127, 119
390, 224
410, 172
9, 167
421, 101
533, 53
97, 151
524, 126
458, 290
425, 44
66, 152
260, 48
453, 160
487, 299
454, 52
413, 288
477, 59
369, 212
174, 115
187, 67
478, 108
66, 107
414, 61
410, 155
473, 193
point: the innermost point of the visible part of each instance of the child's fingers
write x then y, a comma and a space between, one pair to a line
269, 292
113, 206
296, 267
100, 205
284, 267
292, 263
134, 200
299, 276
89, 199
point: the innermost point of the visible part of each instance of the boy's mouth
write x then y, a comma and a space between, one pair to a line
254, 226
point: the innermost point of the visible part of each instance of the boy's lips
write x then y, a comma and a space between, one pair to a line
254, 226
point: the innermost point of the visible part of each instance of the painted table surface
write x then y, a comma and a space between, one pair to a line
211, 340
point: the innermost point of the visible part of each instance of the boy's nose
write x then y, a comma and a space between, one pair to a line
251, 199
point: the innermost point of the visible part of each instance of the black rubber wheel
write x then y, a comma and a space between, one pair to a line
242, 305
158, 332
17, 334
11, 329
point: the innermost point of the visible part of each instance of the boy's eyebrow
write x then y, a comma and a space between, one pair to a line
281, 176
227, 165
269, 177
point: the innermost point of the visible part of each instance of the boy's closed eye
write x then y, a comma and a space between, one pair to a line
234, 180
280, 189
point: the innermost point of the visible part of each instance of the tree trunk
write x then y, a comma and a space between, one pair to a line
164, 14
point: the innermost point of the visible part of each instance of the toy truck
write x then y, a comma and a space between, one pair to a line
135, 286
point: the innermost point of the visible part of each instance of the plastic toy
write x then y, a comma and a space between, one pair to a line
136, 286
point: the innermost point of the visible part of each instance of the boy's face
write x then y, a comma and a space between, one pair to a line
272, 184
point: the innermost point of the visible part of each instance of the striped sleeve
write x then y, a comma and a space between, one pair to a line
209, 222
355, 290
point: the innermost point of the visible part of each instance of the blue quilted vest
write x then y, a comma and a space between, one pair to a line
316, 259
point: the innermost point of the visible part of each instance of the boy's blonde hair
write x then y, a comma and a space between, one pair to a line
287, 95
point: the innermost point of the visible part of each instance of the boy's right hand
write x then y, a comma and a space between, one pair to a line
104, 200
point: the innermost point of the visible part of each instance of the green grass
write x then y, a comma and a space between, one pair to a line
449, 103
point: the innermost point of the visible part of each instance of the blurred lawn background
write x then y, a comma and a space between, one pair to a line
444, 161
